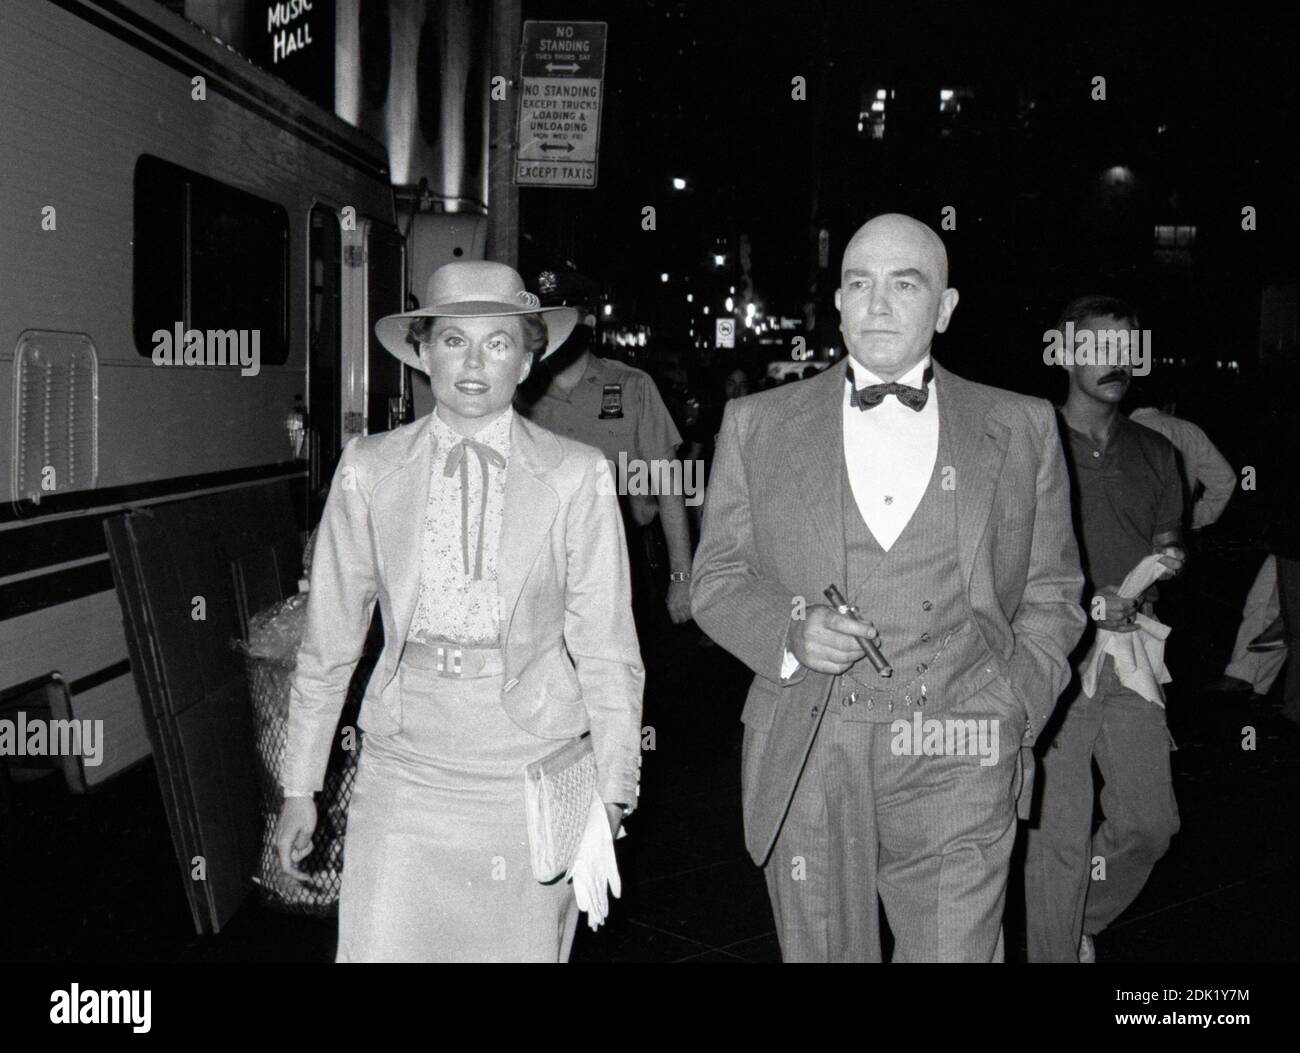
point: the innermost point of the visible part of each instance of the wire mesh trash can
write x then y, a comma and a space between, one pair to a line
271, 652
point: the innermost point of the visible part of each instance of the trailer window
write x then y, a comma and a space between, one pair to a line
208, 257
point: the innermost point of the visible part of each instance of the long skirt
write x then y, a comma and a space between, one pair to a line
436, 864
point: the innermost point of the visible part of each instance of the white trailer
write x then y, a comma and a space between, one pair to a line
150, 179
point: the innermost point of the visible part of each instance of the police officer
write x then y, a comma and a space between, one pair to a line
618, 409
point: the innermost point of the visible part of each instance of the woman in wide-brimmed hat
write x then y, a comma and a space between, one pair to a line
495, 551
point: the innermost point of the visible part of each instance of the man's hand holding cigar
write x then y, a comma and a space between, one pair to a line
827, 641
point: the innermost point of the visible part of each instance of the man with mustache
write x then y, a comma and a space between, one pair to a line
940, 507
1128, 504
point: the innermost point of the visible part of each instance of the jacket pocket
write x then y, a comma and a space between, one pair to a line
760, 707
557, 678
1002, 689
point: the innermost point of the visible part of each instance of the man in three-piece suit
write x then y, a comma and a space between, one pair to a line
940, 508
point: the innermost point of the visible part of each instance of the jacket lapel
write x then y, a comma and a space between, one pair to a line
815, 426
529, 511
399, 502
977, 444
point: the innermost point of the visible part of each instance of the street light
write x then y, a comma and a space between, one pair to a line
679, 183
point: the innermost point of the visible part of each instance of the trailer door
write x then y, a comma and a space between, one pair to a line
387, 390
324, 353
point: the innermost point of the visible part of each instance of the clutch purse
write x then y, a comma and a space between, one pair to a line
558, 791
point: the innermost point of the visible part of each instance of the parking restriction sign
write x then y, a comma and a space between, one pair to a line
561, 85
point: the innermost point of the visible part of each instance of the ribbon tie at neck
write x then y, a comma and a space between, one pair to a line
456, 460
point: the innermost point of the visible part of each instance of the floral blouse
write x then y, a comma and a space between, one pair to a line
462, 527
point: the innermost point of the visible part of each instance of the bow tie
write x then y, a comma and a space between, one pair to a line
458, 461
874, 394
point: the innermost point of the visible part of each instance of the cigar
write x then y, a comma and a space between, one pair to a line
874, 654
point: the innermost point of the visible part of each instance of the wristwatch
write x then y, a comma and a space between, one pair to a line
680, 575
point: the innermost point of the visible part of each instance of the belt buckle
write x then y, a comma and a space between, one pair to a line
447, 660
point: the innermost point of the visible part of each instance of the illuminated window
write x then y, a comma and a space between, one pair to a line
951, 102
871, 112
1169, 236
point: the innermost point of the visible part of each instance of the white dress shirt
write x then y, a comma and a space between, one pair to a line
889, 452
1201, 461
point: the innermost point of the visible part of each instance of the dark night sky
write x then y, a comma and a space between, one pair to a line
703, 90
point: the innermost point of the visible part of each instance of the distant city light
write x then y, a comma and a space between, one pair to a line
706, 308
750, 310
945, 94
679, 183
690, 297
732, 290
663, 277
877, 107
719, 259
609, 309
731, 304
880, 94
1117, 175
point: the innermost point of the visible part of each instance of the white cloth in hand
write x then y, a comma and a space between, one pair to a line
1140, 655
594, 868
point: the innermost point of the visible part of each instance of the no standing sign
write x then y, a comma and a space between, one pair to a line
561, 78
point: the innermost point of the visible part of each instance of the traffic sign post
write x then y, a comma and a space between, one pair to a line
561, 85
725, 332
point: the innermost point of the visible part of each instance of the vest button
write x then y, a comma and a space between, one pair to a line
813, 714
926, 605
921, 667
924, 637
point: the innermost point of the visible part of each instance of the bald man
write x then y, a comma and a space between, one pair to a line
940, 509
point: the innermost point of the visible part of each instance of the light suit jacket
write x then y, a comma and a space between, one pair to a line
571, 657
774, 531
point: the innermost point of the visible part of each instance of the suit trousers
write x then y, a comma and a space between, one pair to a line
1076, 881
930, 835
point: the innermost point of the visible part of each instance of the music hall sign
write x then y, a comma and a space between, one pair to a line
294, 39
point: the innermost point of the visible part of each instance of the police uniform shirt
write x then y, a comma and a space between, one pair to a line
614, 407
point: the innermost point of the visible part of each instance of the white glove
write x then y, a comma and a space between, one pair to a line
594, 866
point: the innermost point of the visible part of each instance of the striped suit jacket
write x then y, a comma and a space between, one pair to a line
774, 532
